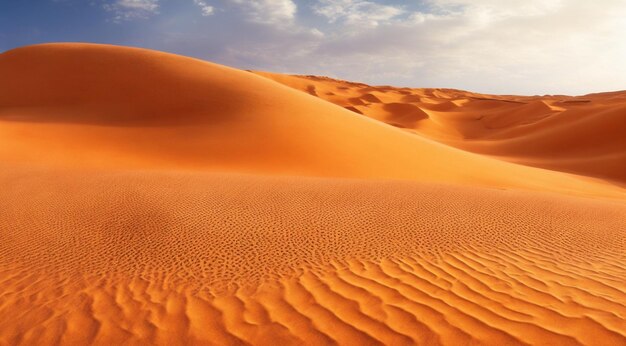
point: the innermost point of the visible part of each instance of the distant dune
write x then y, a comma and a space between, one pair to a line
581, 135
150, 198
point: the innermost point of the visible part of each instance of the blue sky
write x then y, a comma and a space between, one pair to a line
492, 46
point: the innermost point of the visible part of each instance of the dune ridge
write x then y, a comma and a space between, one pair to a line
150, 198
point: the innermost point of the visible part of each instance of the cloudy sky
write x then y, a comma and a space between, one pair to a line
491, 46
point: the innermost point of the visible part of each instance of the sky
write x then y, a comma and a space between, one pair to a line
523, 47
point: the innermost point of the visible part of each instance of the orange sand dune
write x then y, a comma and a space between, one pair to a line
149, 198
582, 135
141, 109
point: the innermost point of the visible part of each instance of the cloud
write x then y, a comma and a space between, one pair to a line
273, 12
132, 9
356, 12
206, 9
498, 8
491, 46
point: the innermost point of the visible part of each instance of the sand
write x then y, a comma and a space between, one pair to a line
581, 135
149, 198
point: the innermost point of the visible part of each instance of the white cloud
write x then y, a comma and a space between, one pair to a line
499, 8
132, 9
356, 12
206, 9
491, 46
515, 46
275, 12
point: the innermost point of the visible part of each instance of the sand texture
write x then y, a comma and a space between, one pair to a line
149, 198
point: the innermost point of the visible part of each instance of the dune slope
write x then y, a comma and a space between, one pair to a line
582, 135
149, 198
143, 109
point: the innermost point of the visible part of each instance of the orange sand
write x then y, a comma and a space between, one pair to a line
149, 198
582, 135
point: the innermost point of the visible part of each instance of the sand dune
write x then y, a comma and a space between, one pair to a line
150, 198
581, 135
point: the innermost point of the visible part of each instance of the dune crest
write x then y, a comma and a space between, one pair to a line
149, 198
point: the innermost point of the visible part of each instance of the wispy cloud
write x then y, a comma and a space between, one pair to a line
356, 12
516, 46
132, 9
206, 9
513, 46
275, 12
